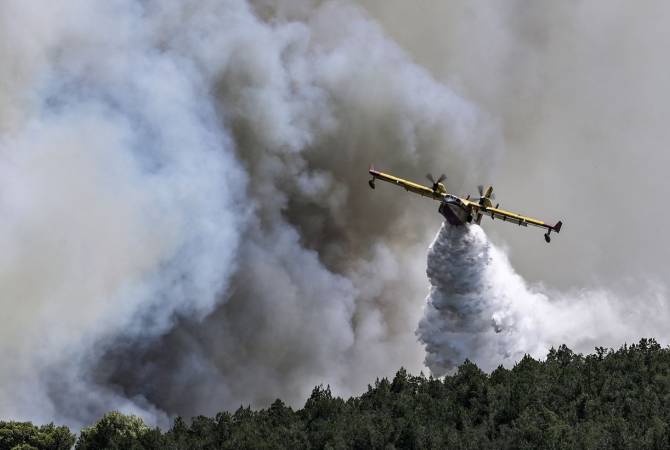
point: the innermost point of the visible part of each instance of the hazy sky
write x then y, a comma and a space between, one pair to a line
581, 92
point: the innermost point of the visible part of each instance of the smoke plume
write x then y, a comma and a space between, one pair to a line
184, 229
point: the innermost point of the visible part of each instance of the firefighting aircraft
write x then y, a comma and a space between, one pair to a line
459, 211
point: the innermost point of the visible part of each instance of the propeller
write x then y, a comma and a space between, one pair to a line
436, 182
480, 188
483, 200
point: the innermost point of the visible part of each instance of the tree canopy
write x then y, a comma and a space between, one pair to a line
611, 399
26, 436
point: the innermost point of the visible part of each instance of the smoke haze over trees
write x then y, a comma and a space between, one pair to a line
607, 399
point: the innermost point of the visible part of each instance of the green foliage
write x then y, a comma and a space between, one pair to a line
116, 431
25, 436
607, 400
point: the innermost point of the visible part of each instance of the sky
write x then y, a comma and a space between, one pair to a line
579, 91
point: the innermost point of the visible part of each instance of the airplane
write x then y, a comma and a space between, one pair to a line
459, 211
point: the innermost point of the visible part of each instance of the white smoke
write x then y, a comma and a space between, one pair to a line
480, 309
319, 296
120, 199
183, 224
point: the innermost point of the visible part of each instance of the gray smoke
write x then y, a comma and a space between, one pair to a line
327, 280
120, 195
186, 225
578, 89
481, 309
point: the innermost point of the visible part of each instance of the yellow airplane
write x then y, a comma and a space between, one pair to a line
459, 211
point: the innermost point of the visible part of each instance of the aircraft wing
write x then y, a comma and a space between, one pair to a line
416, 188
518, 219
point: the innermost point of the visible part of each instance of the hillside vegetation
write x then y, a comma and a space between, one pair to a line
611, 399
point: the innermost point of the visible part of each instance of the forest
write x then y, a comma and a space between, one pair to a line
610, 399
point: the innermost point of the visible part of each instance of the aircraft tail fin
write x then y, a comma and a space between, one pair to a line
372, 172
557, 227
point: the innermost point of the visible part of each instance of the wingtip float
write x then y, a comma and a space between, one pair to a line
460, 211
